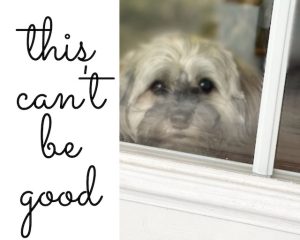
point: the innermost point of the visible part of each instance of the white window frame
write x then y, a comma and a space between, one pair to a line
208, 187
224, 189
273, 86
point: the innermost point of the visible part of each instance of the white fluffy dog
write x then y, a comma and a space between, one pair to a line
189, 94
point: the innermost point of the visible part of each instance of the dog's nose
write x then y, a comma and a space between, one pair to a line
180, 120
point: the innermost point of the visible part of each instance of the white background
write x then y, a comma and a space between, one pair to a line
23, 166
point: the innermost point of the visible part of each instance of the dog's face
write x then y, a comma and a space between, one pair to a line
186, 94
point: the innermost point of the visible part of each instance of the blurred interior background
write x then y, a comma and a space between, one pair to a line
240, 25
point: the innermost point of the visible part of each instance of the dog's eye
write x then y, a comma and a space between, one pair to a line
206, 85
158, 87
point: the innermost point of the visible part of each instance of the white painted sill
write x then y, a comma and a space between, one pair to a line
210, 187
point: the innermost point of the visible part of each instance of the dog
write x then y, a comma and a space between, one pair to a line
189, 94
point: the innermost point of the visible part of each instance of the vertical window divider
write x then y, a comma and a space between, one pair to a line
273, 86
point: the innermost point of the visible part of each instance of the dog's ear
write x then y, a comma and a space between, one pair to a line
251, 84
251, 79
127, 68
126, 84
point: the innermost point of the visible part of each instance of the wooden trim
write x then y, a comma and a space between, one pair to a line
252, 2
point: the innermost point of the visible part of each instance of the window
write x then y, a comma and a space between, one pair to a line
169, 186
243, 27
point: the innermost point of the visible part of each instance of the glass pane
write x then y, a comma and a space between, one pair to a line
191, 74
288, 148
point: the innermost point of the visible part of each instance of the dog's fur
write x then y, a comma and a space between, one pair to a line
219, 123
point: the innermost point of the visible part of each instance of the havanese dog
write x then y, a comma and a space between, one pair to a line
189, 94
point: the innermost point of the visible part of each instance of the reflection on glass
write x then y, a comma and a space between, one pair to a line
191, 74
288, 148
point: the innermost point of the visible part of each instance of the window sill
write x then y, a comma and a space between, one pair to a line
209, 187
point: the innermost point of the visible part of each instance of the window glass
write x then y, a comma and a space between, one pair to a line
191, 74
288, 148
